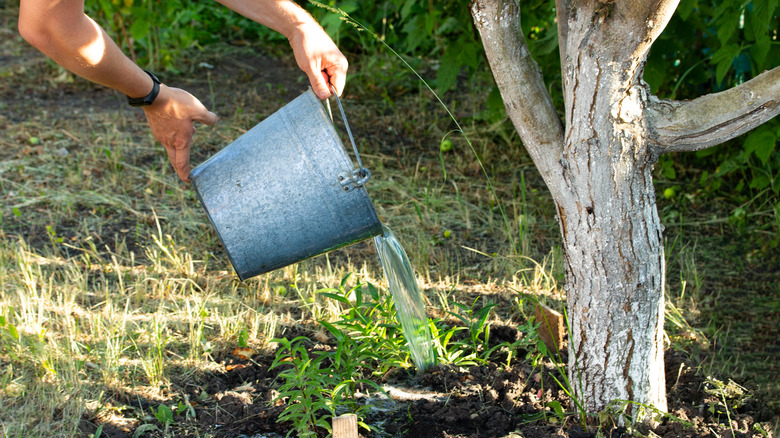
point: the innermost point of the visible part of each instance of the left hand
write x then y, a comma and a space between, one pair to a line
172, 119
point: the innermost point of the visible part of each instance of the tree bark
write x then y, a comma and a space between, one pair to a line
712, 119
599, 172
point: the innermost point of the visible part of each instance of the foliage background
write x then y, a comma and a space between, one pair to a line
707, 47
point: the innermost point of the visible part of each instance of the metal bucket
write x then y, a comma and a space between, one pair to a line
285, 191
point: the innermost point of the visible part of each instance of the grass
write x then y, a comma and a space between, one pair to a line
113, 286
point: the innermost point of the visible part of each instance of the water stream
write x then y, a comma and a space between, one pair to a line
409, 302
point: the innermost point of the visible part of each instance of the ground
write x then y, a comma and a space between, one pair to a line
724, 289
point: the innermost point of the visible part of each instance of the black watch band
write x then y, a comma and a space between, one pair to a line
149, 98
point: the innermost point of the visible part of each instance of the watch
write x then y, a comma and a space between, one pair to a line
149, 98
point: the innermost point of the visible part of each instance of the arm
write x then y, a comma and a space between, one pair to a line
61, 30
315, 52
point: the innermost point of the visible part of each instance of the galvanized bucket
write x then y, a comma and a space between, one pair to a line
286, 191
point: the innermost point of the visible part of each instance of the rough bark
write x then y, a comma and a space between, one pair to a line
712, 119
519, 79
599, 171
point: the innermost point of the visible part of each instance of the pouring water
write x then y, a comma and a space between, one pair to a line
409, 302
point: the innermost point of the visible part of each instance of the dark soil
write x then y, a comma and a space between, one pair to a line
490, 400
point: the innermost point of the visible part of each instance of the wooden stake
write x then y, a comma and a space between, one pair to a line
345, 426
551, 329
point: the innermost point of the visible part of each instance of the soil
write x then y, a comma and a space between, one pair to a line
491, 400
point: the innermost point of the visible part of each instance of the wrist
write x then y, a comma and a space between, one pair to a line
149, 98
301, 27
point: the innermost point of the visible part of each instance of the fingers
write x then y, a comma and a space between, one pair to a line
179, 156
337, 72
320, 59
321, 79
319, 82
172, 120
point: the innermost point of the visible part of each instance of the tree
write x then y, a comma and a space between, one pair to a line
598, 163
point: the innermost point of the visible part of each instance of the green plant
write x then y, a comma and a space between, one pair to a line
478, 327
307, 387
153, 359
619, 412
164, 415
350, 361
447, 353
370, 318
730, 396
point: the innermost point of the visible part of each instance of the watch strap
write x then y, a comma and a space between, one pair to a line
149, 98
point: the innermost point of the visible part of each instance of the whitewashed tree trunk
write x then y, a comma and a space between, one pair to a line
598, 167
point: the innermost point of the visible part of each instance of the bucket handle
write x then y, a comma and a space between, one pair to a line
361, 175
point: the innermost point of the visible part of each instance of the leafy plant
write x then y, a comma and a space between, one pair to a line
350, 361
447, 353
307, 387
476, 322
164, 415
709, 46
158, 34
370, 318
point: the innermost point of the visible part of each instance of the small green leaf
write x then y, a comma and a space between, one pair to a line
685, 8
13, 332
556, 407
449, 67
760, 50
723, 58
338, 298
144, 429
140, 28
17, 213
164, 414
759, 182
243, 337
761, 142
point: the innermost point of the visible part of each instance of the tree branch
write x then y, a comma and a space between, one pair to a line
527, 102
715, 118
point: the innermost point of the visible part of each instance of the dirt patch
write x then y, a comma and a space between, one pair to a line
491, 400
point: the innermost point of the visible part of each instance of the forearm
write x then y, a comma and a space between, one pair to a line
62, 31
315, 52
283, 16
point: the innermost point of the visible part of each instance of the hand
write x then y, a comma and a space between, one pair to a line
319, 58
172, 119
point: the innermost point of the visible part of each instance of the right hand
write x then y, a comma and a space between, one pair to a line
172, 119
319, 58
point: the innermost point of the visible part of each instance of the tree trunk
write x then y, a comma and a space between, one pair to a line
614, 259
612, 243
599, 171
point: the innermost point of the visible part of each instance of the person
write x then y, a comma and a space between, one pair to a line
63, 32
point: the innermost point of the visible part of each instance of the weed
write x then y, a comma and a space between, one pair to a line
730, 396
478, 328
164, 415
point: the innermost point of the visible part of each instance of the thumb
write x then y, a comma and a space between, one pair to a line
206, 117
